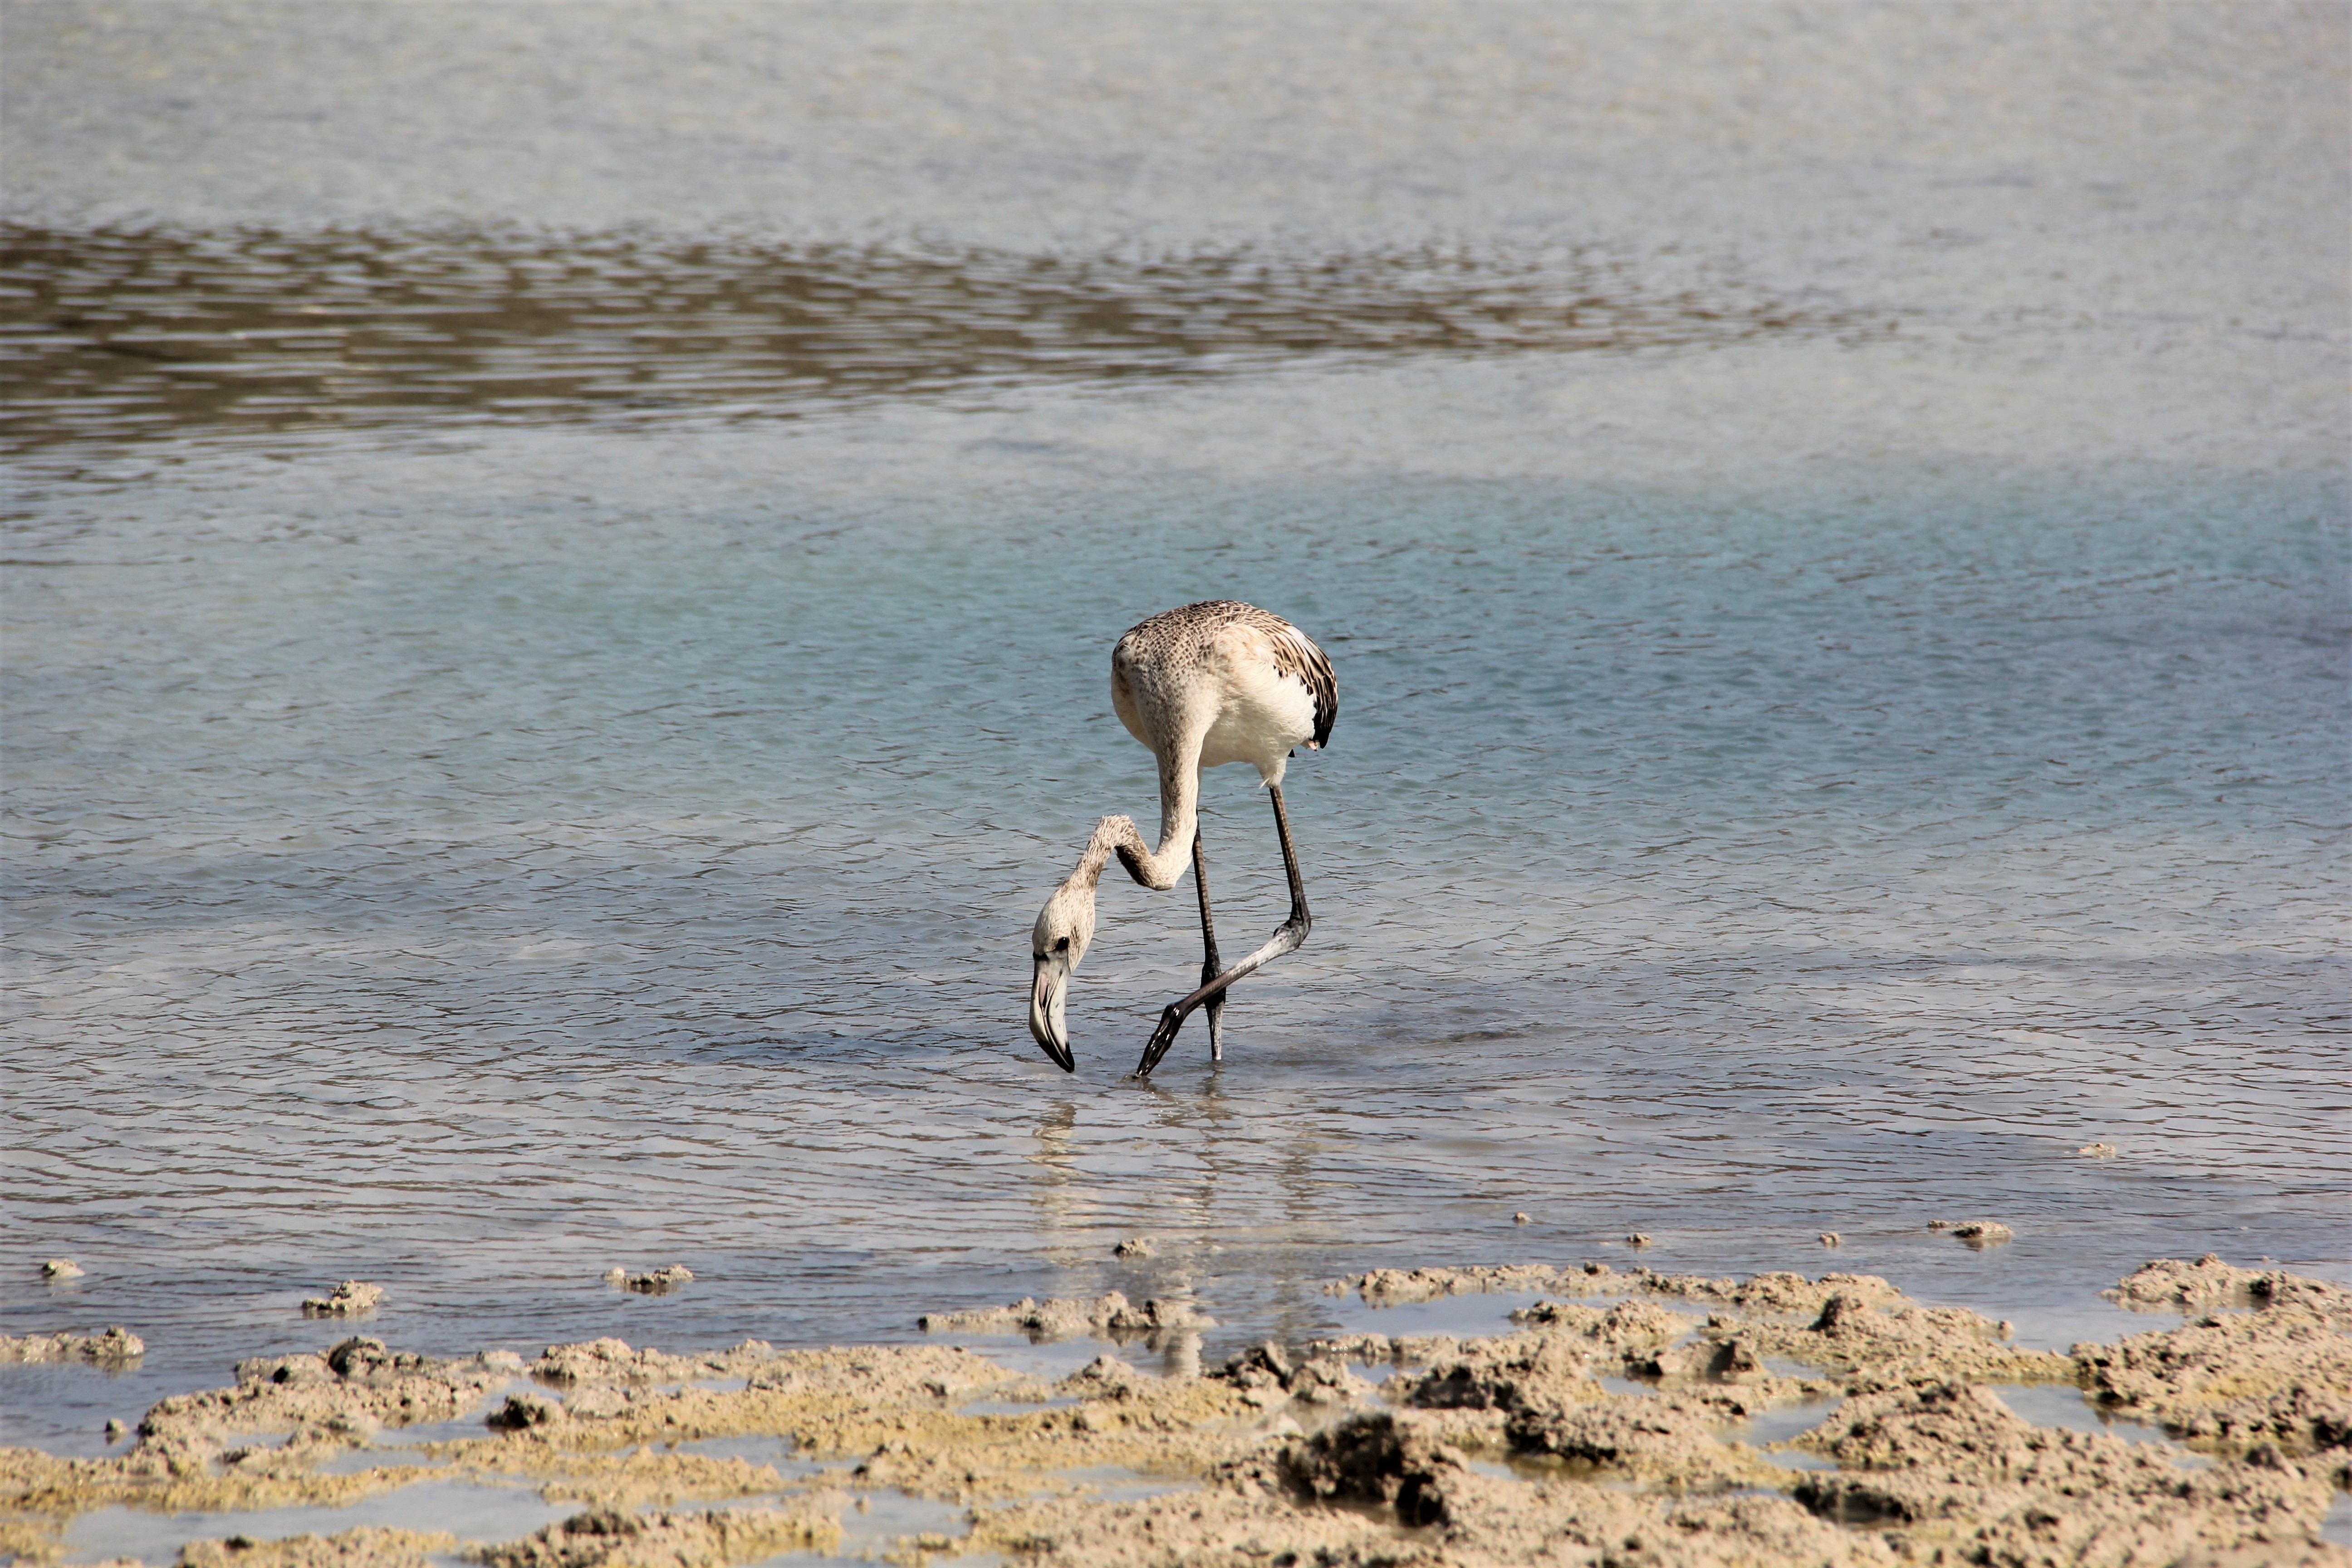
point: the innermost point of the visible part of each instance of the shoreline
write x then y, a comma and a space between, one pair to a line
1779, 1418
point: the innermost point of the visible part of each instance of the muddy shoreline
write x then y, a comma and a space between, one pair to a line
1625, 1417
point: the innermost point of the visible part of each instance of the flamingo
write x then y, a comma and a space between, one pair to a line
1201, 685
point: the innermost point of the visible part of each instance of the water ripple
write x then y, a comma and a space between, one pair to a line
126, 333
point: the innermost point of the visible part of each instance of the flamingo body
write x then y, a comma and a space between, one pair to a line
1224, 682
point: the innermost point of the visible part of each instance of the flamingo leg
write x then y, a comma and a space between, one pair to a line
1286, 938
1209, 964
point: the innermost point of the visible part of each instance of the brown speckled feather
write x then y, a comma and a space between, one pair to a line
1295, 653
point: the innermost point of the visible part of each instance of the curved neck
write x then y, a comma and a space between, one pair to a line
1180, 820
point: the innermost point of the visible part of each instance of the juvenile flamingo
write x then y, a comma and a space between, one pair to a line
1203, 685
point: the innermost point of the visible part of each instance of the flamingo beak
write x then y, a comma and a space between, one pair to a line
1047, 993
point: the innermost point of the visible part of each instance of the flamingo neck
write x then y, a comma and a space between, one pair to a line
1180, 820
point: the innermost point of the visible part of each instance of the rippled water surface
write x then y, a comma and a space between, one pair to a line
123, 334
538, 713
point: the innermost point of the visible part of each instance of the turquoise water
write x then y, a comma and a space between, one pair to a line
1811, 772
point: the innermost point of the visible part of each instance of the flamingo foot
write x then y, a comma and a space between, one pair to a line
1171, 1019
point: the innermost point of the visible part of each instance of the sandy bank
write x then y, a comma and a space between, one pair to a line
1613, 1425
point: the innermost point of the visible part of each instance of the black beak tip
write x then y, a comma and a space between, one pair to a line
1060, 1056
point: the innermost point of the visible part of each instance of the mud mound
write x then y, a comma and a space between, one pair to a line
613, 1361
1385, 1457
1872, 1340
654, 1281
610, 1538
1967, 1477
2167, 1282
1658, 1440
1265, 1377
1490, 1524
118, 1347
1108, 1315
1396, 1287
1772, 1292
2232, 1381
351, 1299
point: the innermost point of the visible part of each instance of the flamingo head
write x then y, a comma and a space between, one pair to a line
1065, 926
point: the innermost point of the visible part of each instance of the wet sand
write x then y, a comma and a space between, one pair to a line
1629, 1417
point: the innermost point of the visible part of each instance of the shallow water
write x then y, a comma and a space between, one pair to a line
2055, 1404
477, 1515
472, 825
470, 1512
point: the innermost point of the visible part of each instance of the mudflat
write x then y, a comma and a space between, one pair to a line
1628, 1418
